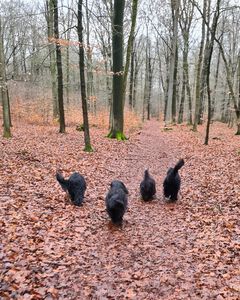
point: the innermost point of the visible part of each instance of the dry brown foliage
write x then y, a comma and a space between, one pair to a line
51, 249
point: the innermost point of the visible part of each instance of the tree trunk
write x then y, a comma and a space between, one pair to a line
203, 84
146, 85
51, 49
4, 90
130, 45
59, 69
171, 106
198, 77
209, 57
238, 104
181, 106
90, 99
87, 142
117, 49
130, 97
150, 69
175, 88
135, 81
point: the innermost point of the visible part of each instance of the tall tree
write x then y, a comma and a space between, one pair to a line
90, 87
209, 56
198, 73
116, 130
87, 142
172, 84
130, 44
185, 22
4, 89
52, 57
59, 68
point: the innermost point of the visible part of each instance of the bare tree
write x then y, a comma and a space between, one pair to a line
52, 56
209, 52
185, 21
117, 48
199, 67
130, 45
4, 89
87, 142
59, 69
172, 85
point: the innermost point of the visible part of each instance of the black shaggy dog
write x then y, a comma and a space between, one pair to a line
116, 201
147, 187
75, 186
172, 182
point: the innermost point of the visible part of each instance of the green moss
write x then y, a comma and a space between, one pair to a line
167, 128
88, 148
7, 134
117, 135
80, 127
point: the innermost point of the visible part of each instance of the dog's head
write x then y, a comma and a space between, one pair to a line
117, 184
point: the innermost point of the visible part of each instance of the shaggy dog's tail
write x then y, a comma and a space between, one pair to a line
146, 174
63, 182
178, 166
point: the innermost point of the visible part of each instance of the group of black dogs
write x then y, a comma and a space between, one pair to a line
117, 197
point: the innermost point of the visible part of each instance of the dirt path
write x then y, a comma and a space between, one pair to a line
53, 250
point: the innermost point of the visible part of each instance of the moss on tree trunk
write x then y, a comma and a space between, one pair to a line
117, 135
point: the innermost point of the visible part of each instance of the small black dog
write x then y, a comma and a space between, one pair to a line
172, 182
147, 187
75, 186
116, 201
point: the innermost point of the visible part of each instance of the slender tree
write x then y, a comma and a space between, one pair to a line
117, 49
132, 69
4, 90
90, 87
185, 22
199, 68
51, 48
209, 52
172, 84
59, 69
130, 44
87, 142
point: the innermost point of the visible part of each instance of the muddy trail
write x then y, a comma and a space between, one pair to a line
51, 249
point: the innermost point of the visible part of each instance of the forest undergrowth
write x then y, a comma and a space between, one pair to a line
51, 249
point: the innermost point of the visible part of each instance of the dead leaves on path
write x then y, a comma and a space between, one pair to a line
51, 249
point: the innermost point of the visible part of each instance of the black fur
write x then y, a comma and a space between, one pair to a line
172, 182
116, 201
75, 186
147, 187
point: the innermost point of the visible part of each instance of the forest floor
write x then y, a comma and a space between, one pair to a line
51, 249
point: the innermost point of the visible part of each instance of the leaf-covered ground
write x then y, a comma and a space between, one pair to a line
51, 249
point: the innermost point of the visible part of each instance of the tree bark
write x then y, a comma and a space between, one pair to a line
4, 90
59, 69
130, 45
209, 52
171, 101
117, 49
51, 49
130, 97
90, 92
199, 66
87, 142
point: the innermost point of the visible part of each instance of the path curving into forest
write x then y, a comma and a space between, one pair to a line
53, 250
